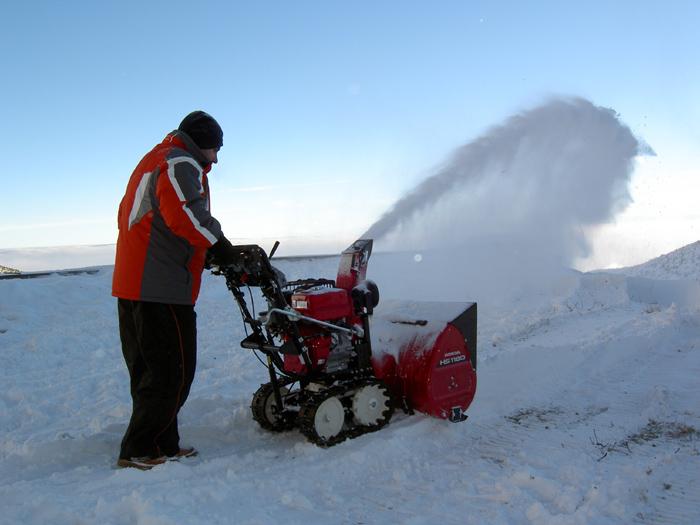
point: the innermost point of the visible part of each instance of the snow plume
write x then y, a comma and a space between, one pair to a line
514, 202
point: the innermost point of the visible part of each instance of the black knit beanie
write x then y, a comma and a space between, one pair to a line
203, 130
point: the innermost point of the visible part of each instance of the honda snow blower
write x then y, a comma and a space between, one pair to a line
326, 375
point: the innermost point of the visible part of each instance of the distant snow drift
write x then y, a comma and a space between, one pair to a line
514, 201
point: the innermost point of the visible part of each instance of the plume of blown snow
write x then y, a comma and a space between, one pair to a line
510, 207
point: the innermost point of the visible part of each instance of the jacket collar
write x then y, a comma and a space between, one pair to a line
183, 140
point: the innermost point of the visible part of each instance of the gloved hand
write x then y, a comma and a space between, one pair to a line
222, 253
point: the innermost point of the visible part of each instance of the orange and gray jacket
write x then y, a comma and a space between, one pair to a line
165, 225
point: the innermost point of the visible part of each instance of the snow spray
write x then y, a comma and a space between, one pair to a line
509, 208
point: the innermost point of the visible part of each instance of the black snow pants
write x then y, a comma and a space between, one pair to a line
159, 343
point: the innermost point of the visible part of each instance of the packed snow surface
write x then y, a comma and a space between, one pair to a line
587, 411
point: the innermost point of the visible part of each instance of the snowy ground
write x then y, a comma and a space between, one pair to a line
587, 411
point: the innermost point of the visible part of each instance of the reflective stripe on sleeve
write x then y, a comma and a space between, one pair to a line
135, 216
171, 175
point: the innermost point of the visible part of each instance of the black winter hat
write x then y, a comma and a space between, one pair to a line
203, 130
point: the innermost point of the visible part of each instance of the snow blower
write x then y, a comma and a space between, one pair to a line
326, 375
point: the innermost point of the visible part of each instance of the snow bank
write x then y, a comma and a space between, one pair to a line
683, 263
684, 293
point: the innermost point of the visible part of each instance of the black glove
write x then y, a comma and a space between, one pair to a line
222, 253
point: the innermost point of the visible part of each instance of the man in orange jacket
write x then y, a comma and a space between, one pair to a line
165, 232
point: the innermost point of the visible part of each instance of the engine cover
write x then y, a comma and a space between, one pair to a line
324, 304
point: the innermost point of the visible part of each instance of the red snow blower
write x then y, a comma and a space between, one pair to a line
339, 366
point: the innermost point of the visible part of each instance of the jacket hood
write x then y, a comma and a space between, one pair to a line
183, 140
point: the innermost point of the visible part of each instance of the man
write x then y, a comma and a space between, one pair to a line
165, 231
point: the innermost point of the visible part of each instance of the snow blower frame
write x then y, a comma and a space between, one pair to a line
315, 336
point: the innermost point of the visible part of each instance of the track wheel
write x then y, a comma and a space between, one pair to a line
322, 419
371, 405
266, 412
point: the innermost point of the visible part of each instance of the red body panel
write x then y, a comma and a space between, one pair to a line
439, 379
435, 372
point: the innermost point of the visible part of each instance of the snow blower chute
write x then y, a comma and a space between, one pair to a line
339, 364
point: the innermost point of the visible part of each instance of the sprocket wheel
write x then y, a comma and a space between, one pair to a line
371, 405
266, 412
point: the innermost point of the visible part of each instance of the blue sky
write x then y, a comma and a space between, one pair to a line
322, 102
